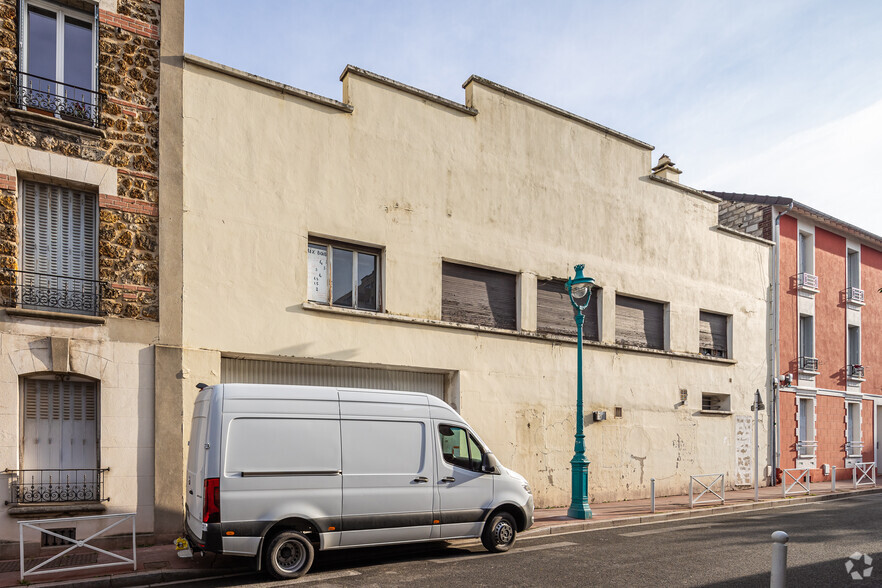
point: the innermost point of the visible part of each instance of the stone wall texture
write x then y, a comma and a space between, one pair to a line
128, 78
750, 218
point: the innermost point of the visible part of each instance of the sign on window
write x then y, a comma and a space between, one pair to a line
317, 259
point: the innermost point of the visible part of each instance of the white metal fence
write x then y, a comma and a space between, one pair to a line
796, 481
117, 558
708, 487
864, 474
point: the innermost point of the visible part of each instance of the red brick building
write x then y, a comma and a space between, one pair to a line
827, 312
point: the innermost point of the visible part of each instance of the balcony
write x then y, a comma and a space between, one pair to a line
856, 372
853, 449
809, 364
806, 448
807, 282
52, 98
854, 296
54, 486
40, 291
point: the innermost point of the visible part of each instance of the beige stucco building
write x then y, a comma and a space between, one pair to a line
399, 239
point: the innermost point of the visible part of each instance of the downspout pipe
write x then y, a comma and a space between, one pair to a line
776, 344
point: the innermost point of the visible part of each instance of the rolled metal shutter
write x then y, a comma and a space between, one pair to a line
554, 312
713, 334
478, 296
640, 323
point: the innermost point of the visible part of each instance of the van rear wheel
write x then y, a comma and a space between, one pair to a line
289, 555
499, 533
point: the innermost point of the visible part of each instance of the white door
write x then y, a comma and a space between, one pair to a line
464, 492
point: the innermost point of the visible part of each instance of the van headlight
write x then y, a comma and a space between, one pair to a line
527, 488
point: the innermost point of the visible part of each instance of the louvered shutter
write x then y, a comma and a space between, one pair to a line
478, 296
640, 322
713, 334
59, 243
554, 312
60, 426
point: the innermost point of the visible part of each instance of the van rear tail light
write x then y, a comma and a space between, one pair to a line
211, 501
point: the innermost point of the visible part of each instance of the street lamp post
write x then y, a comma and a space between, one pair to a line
757, 406
579, 290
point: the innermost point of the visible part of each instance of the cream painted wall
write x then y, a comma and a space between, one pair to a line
515, 187
125, 375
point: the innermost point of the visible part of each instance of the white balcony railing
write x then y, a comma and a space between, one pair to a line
855, 295
808, 364
807, 281
806, 448
856, 371
853, 449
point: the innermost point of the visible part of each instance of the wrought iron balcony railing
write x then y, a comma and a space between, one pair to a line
806, 448
73, 485
855, 295
808, 364
39, 291
66, 101
856, 371
854, 449
806, 280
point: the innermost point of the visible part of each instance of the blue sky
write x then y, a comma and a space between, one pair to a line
779, 97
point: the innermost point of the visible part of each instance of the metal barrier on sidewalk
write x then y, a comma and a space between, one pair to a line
864, 474
796, 477
709, 487
120, 560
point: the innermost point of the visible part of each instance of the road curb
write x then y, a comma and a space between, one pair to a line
590, 525
144, 578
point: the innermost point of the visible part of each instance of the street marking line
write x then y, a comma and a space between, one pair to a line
320, 577
668, 530
516, 550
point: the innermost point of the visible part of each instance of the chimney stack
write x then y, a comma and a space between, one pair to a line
666, 169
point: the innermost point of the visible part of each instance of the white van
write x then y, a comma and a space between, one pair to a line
275, 472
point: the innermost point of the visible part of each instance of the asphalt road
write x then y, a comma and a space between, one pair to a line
726, 550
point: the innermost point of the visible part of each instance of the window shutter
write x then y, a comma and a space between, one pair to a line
713, 334
640, 322
60, 425
554, 312
478, 296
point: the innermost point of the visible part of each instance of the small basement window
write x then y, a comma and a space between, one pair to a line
716, 403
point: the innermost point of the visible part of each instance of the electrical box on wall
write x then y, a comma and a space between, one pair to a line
599, 415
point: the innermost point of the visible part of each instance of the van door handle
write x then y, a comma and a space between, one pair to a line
421, 479
448, 479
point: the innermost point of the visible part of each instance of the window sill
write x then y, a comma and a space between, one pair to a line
55, 508
369, 314
853, 380
808, 373
55, 316
717, 412
808, 289
855, 303
25, 116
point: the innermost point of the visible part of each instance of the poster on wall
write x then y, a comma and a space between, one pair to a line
317, 259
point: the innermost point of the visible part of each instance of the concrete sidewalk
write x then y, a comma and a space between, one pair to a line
159, 563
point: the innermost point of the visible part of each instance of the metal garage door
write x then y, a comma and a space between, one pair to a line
255, 371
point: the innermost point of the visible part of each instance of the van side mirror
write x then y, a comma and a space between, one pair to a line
489, 464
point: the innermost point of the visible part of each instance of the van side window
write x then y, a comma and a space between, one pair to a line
459, 448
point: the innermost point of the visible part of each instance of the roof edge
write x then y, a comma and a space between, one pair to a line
351, 69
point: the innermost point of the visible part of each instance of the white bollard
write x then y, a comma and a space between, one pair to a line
779, 559
854, 477
833, 479
652, 494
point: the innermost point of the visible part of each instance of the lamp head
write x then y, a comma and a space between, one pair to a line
579, 287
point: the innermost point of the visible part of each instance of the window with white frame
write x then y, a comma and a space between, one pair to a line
854, 294
805, 414
344, 275
807, 360
853, 429
59, 257
806, 254
855, 368
59, 441
59, 60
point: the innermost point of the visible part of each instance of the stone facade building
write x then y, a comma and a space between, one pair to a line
79, 257
827, 360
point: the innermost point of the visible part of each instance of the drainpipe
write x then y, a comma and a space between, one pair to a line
776, 343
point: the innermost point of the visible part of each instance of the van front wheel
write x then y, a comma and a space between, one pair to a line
499, 533
289, 555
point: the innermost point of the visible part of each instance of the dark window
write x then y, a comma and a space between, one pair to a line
713, 336
554, 313
459, 448
478, 296
58, 61
640, 323
344, 275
